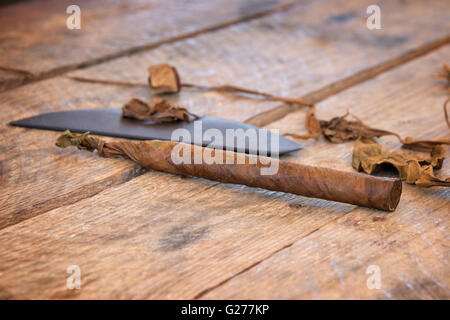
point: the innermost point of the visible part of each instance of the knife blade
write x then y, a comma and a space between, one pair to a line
109, 122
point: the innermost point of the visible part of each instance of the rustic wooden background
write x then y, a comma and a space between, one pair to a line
146, 234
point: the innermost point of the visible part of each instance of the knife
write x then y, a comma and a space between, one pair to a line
109, 122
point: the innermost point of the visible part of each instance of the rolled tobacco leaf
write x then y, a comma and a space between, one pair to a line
238, 168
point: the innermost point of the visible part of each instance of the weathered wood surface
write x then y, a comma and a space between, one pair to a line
410, 246
140, 240
36, 178
162, 236
34, 36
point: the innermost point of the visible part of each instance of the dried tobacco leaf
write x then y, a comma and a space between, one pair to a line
163, 78
312, 124
424, 176
160, 111
137, 109
82, 141
165, 112
422, 145
339, 130
368, 155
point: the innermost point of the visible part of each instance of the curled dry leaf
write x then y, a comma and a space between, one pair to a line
422, 145
339, 130
82, 141
160, 111
137, 109
368, 155
163, 78
312, 124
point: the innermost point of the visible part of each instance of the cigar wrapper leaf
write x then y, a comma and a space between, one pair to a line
238, 168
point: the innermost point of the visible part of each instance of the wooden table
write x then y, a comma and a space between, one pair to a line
145, 234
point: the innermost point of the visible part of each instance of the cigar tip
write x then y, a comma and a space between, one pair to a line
394, 196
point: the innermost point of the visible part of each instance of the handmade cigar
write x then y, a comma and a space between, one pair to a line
238, 168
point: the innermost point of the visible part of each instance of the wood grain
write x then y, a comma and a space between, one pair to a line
141, 240
277, 113
163, 236
410, 245
332, 262
309, 60
42, 45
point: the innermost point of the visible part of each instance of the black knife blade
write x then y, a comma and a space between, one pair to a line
109, 122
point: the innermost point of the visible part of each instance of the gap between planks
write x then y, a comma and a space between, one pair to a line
30, 77
277, 113
201, 294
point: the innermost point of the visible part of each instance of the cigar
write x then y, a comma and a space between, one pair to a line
238, 168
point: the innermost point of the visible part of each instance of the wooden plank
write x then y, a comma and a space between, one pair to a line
141, 241
154, 236
290, 53
263, 118
31, 163
35, 37
332, 263
410, 245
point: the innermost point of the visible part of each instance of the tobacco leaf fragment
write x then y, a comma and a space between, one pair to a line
424, 176
165, 112
422, 145
160, 111
137, 109
82, 141
339, 130
312, 124
368, 155
163, 78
